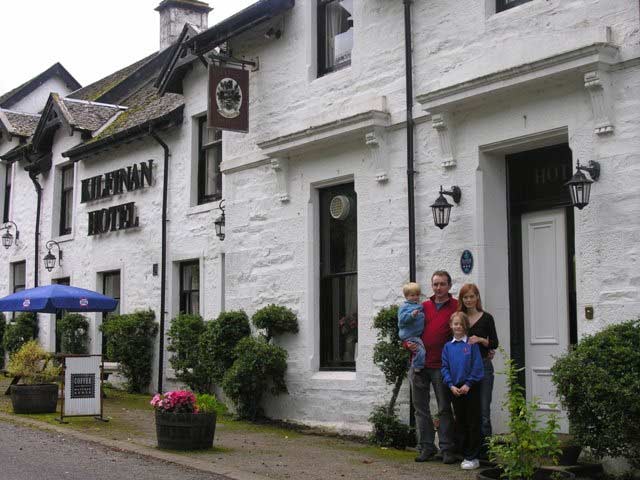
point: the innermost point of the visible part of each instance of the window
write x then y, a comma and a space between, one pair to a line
7, 193
60, 313
66, 200
338, 278
209, 159
190, 287
502, 5
111, 288
18, 279
335, 35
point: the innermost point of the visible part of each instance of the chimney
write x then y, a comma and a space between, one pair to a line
175, 13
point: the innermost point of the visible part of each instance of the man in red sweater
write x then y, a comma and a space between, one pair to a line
437, 311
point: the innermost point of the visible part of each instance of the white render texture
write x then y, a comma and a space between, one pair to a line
318, 127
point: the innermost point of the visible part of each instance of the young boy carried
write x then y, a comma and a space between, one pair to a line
411, 323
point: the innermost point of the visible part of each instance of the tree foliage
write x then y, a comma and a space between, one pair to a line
20, 331
187, 361
275, 320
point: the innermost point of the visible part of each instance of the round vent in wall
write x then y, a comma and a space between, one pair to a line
339, 207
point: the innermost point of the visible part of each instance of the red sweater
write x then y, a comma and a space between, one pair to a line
436, 329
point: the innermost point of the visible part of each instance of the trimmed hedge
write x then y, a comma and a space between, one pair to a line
73, 331
598, 383
130, 341
259, 367
19, 332
184, 341
275, 320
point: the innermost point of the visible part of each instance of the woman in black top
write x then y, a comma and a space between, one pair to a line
482, 332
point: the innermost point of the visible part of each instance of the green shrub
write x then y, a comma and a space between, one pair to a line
207, 403
130, 341
184, 340
275, 320
528, 444
217, 343
32, 364
598, 383
3, 326
389, 431
259, 367
393, 360
23, 329
73, 331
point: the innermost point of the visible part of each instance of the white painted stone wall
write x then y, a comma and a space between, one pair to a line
36, 100
270, 253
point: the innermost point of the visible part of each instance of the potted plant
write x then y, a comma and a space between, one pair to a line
34, 367
184, 422
521, 453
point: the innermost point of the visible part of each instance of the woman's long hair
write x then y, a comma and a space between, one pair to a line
466, 288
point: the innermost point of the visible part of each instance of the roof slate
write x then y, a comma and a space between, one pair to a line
18, 123
89, 116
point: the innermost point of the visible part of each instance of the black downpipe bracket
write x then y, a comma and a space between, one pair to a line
411, 210
163, 255
410, 127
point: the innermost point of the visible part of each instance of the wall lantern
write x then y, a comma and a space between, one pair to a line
219, 222
442, 209
49, 258
580, 185
7, 238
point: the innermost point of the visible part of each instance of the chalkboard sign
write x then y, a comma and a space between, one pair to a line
83, 385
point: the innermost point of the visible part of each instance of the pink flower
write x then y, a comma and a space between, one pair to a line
177, 401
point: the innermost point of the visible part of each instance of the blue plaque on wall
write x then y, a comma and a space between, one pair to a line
466, 262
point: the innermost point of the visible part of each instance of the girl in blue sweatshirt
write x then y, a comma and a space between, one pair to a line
461, 371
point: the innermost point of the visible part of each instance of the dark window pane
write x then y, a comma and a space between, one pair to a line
338, 277
7, 193
66, 200
111, 288
506, 4
335, 34
60, 313
190, 287
209, 159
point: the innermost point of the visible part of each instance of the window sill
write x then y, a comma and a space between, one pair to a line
205, 207
335, 376
64, 238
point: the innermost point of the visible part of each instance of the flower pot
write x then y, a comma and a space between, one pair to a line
541, 474
185, 431
41, 398
569, 455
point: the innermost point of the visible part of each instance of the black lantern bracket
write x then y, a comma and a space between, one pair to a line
593, 169
49, 258
7, 238
455, 193
220, 221
441, 208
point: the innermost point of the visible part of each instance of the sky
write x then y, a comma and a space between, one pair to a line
90, 38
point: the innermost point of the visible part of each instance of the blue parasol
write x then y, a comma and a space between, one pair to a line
53, 298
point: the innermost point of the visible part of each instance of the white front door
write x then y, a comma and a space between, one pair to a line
545, 295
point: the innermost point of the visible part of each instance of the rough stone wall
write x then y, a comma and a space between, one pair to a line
172, 20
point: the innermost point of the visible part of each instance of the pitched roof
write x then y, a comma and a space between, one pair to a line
17, 123
20, 92
88, 116
189, 47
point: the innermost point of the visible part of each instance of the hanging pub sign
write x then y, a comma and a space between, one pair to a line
228, 107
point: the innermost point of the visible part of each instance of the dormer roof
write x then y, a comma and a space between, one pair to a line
14, 96
18, 124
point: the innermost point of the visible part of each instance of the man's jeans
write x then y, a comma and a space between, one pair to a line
485, 389
421, 385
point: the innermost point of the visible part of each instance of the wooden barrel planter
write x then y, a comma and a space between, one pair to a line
185, 431
41, 398
541, 474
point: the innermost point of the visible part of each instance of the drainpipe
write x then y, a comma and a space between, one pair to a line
410, 127
163, 254
411, 209
36, 262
